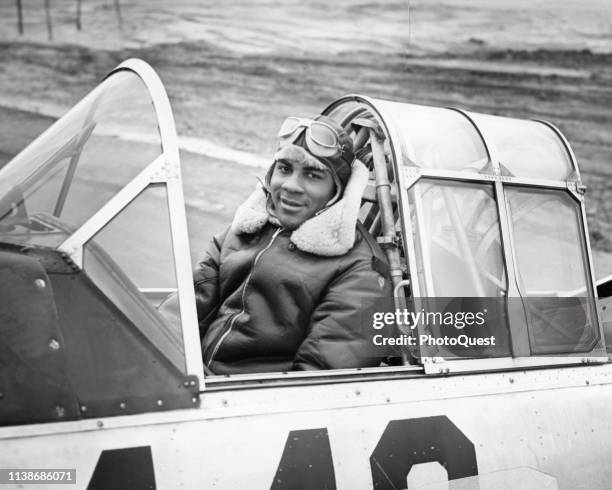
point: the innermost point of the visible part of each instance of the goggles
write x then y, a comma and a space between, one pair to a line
321, 139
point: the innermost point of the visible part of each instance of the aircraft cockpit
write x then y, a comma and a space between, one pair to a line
474, 212
93, 237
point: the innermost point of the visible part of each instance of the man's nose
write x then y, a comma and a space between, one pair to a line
293, 183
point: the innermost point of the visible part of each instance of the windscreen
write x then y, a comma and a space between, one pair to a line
551, 266
461, 148
67, 174
463, 273
515, 252
112, 350
526, 148
459, 239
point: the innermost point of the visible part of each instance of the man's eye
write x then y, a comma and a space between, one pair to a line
283, 169
314, 175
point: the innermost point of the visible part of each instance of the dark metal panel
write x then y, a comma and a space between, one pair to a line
34, 385
306, 463
129, 468
113, 367
409, 442
67, 352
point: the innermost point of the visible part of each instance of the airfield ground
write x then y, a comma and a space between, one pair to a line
234, 70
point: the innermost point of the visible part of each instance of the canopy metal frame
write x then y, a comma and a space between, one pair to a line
165, 170
408, 174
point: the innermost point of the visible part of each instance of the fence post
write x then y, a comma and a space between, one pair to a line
48, 15
19, 17
78, 15
118, 12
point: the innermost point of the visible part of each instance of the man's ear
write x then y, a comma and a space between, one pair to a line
265, 185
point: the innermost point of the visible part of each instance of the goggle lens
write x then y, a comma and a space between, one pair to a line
289, 126
322, 134
321, 139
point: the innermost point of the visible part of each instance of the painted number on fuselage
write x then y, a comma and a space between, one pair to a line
126, 468
307, 461
409, 442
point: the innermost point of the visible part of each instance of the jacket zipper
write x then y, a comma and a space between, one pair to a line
246, 283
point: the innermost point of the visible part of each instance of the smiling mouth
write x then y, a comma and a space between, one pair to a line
290, 205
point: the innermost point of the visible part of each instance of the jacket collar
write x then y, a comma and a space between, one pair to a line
329, 233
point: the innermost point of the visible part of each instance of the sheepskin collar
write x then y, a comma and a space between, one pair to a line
329, 233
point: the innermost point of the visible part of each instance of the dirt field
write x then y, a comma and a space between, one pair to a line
234, 69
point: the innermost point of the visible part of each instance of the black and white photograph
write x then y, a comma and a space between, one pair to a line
303, 245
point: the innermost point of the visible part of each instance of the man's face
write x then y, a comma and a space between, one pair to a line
298, 191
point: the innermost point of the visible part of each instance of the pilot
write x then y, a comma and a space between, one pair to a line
288, 285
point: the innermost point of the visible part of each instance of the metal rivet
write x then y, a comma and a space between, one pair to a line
100, 424
54, 344
83, 408
122, 405
160, 403
511, 380
194, 400
357, 392
40, 283
186, 384
192, 383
